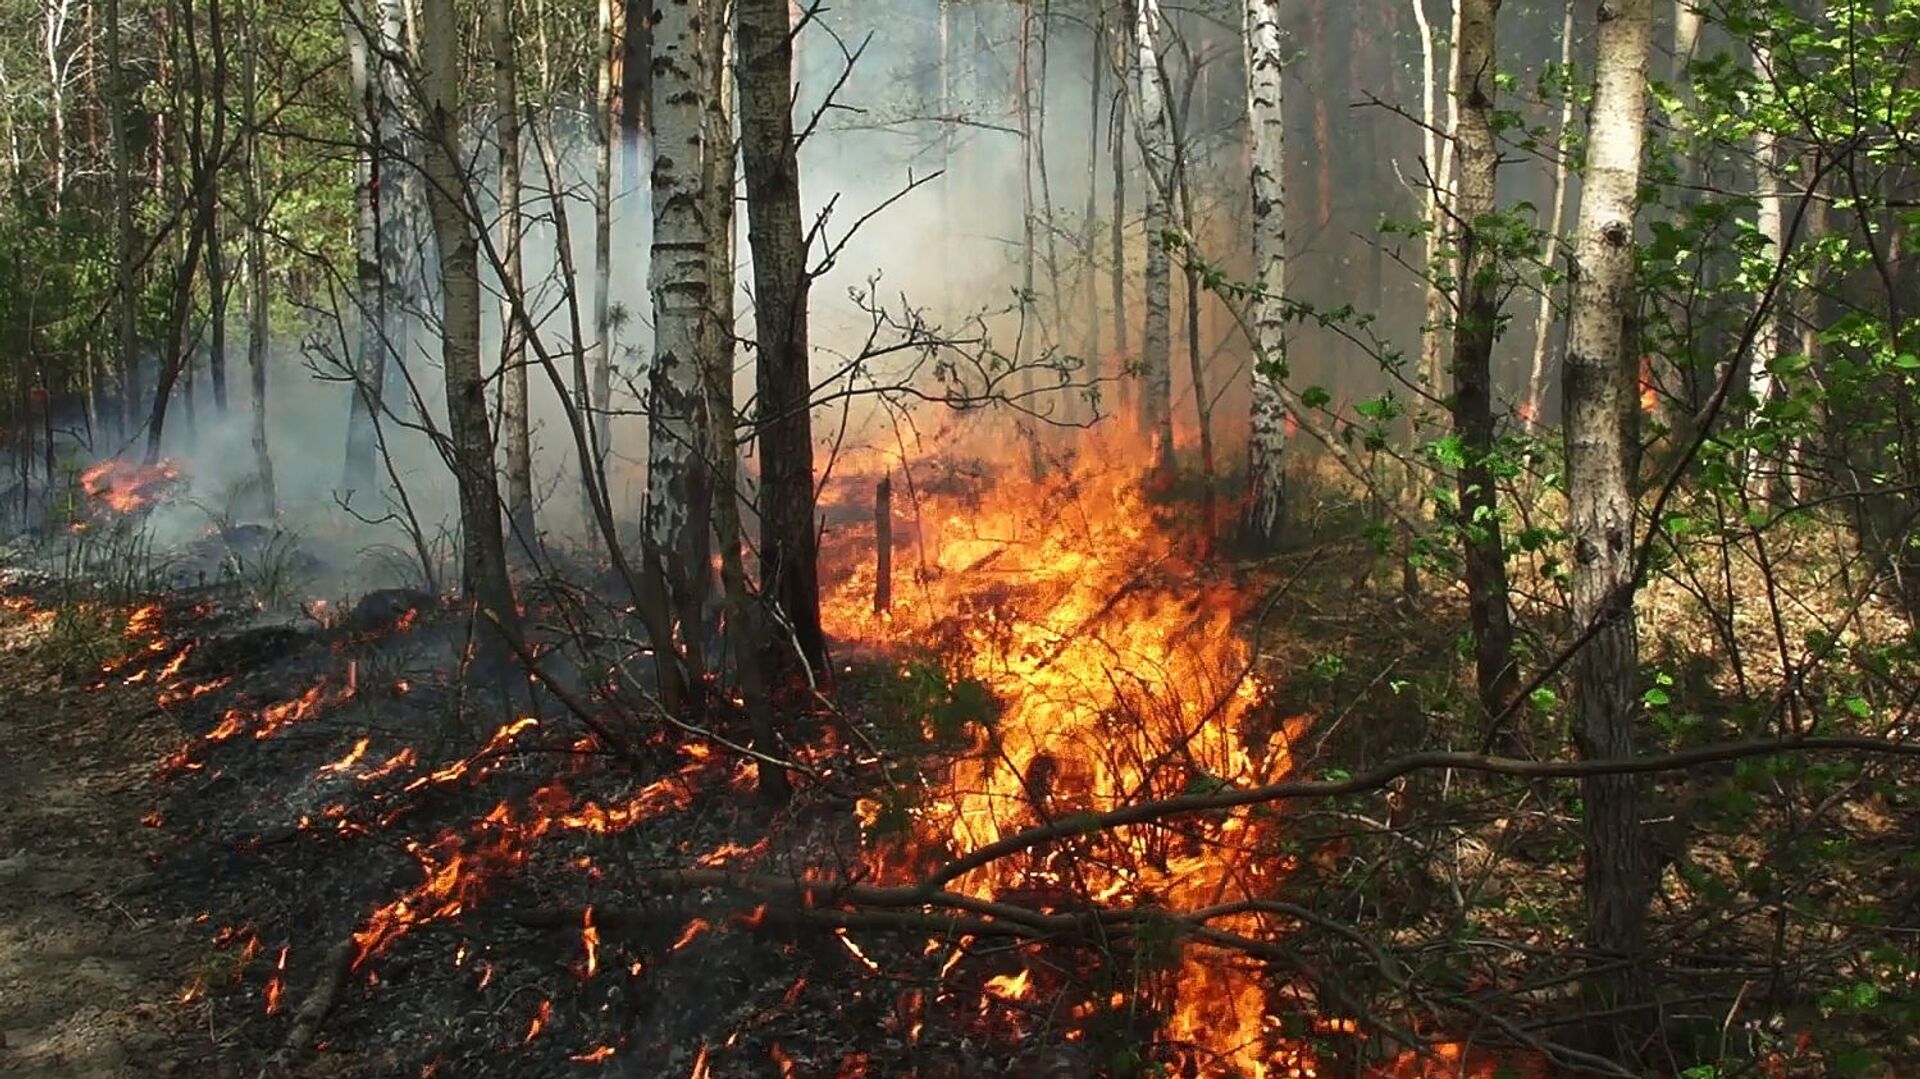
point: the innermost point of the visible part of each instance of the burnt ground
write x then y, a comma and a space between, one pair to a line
92, 962
189, 847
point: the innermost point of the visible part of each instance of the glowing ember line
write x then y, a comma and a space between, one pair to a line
277, 983
694, 929
540, 1020
590, 940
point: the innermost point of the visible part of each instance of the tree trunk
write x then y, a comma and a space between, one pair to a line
1267, 434
680, 279
523, 539
1090, 234
1155, 415
124, 299
1475, 324
789, 572
1556, 221
484, 563
384, 265
636, 85
1770, 222
1439, 137
600, 359
258, 326
1600, 388
1117, 233
216, 253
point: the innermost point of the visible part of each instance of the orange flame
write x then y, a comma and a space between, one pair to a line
693, 930
540, 1019
126, 487
590, 940
277, 983
1112, 649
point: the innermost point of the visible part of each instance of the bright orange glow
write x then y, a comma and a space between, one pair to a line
277, 984
590, 940
596, 1055
127, 487
1113, 649
693, 930
541, 1017
699, 1064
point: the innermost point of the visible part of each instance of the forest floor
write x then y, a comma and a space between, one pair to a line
91, 973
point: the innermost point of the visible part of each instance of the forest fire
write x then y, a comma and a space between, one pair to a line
1123, 678
127, 487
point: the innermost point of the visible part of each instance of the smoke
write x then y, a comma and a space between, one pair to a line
947, 253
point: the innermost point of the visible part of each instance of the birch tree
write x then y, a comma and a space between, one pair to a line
376, 51
1770, 223
1155, 414
1475, 325
513, 349
1543, 317
680, 280
484, 554
1599, 405
1267, 433
789, 572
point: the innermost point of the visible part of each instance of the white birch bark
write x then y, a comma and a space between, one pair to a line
680, 280
1770, 222
513, 352
1556, 221
1600, 389
1156, 361
1267, 437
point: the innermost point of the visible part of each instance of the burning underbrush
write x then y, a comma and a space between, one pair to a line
405, 865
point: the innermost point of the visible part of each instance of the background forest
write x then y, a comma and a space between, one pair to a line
958, 537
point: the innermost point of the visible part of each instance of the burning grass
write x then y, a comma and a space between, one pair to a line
491, 893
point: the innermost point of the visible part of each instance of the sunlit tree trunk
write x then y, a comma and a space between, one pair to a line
680, 279
56, 17
485, 565
789, 573
1543, 318
1770, 223
258, 326
1475, 325
1267, 433
385, 263
1438, 186
513, 351
1155, 414
1599, 393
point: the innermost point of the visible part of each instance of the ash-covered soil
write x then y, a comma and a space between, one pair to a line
275, 848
